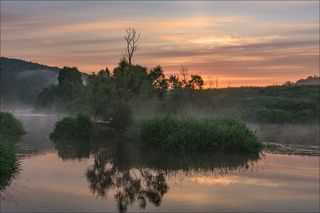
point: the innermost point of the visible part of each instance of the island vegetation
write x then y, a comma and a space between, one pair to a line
173, 133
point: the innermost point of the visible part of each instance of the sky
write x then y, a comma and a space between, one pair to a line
238, 43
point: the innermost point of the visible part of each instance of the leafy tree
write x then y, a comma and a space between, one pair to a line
100, 91
174, 82
130, 79
195, 82
66, 94
104, 73
159, 82
69, 74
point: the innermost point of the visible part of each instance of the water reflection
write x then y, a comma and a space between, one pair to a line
75, 150
136, 175
6, 179
63, 177
131, 184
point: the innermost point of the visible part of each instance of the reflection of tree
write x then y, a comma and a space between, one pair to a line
148, 186
5, 179
137, 175
131, 184
73, 149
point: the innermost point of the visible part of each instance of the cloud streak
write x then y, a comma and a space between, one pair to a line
249, 44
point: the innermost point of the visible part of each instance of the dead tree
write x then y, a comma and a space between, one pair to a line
184, 74
131, 37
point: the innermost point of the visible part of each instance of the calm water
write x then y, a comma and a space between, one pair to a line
115, 177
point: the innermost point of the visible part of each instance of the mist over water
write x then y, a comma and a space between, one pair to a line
38, 127
306, 134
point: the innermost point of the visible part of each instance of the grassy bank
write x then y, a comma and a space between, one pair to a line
8, 162
189, 134
11, 130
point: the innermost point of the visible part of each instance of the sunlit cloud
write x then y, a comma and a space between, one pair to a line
262, 45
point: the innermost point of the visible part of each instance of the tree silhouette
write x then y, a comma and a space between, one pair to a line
196, 82
131, 37
70, 74
159, 82
184, 75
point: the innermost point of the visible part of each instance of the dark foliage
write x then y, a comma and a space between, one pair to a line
72, 128
10, 127
66, 95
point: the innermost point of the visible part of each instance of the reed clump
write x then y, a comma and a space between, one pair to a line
174, 133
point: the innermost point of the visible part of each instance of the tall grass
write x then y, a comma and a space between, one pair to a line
189, 134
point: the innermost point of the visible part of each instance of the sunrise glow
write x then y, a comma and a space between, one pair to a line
239, 43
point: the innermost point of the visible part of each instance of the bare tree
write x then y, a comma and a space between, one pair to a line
209, 83
212, 83
217, 82
184, 74
131, 37
229, 84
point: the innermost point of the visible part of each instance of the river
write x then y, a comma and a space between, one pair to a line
82, 177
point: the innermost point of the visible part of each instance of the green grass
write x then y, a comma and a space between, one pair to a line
10, 127
78, 127
8, 162
173, 133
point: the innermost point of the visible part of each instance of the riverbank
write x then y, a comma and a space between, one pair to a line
292, 149
11, 131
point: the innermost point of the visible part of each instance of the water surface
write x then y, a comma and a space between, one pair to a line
86, 177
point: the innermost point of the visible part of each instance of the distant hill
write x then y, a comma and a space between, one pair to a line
311, 80
22, 81
17, 65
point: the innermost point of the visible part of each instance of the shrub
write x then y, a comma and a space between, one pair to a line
73, 128
10, 127
190, 134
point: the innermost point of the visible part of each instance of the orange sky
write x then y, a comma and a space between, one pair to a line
238, 43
